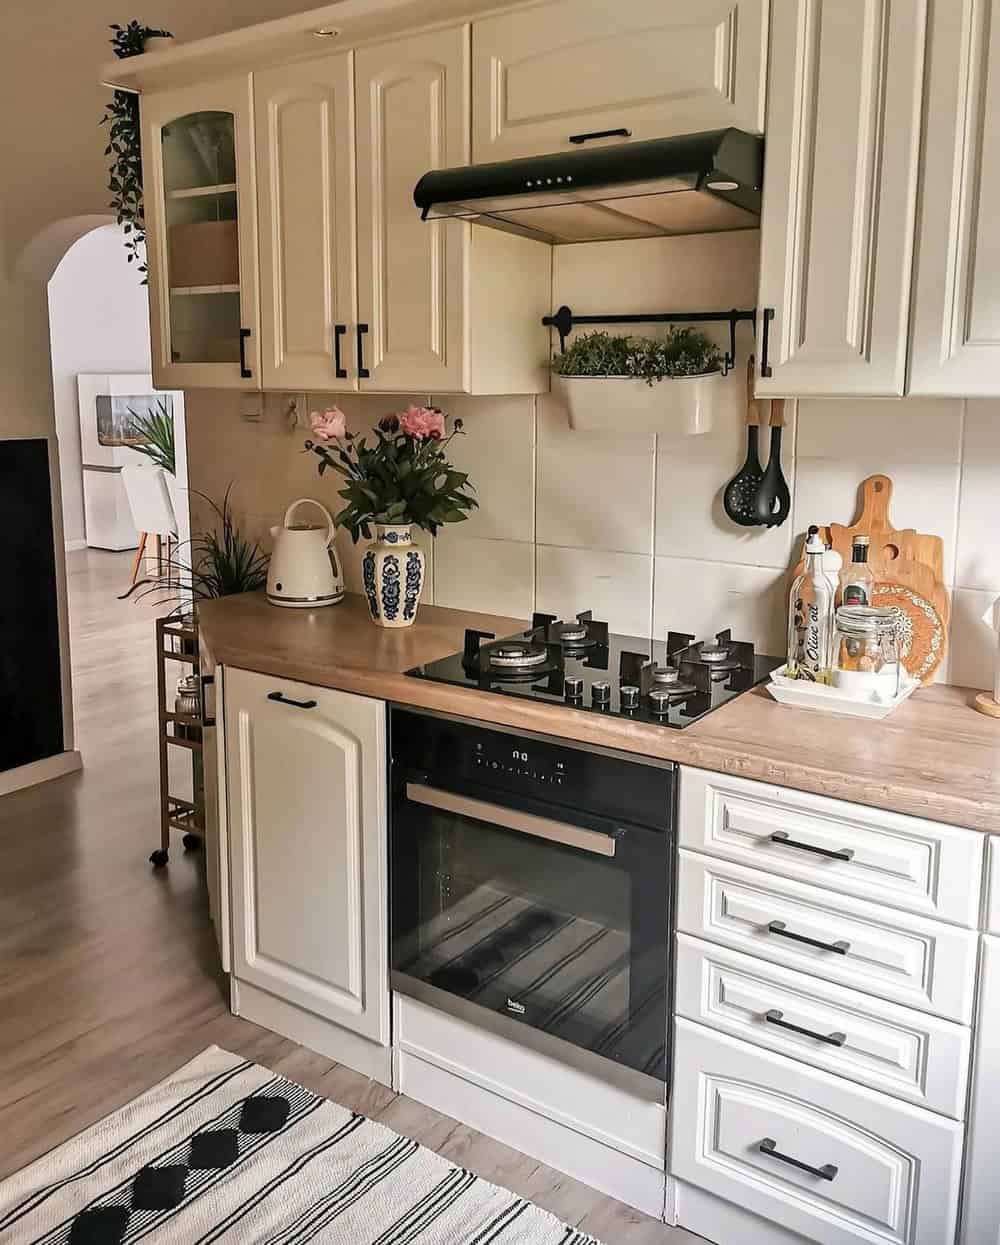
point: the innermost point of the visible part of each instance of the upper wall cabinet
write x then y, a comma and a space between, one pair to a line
443, 307
305, 190
956, 324
201, 235
843, 130
545, 74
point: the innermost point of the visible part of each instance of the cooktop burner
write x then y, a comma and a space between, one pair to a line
577, 663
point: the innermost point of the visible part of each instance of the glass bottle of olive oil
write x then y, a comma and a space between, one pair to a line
810, 617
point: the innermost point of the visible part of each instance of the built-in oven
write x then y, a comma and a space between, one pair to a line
531, 887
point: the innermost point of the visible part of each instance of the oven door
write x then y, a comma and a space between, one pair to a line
552, 932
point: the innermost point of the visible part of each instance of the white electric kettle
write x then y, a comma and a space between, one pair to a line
304, 572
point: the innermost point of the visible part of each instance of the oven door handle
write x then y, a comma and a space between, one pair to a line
512, 819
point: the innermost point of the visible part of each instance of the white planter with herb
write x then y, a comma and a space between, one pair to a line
616, 384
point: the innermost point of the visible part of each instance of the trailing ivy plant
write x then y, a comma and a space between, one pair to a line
125, 146
684, 352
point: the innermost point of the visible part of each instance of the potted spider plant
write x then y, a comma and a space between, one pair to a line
613, 383
151, 434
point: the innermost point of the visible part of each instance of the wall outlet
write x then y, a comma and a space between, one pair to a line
296, 412
252, 407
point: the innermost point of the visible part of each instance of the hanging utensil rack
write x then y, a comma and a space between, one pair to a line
565, 320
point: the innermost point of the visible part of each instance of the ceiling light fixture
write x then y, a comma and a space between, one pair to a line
326, 32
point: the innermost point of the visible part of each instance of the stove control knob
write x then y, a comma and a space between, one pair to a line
659, 700
629, 697
573, 687
600, 694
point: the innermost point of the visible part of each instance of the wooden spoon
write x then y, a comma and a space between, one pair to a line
773, 502
739, 499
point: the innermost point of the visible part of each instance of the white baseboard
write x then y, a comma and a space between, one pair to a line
71, 546
724, 1223
40, 771
322, 1036
519, 1097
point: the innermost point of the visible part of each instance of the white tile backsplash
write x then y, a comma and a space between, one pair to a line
632, 526
618, 587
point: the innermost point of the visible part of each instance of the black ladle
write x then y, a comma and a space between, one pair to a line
773, 502
740, 498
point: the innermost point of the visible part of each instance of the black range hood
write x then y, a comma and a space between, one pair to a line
694, 183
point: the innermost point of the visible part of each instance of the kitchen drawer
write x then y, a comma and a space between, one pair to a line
895, 955
739, 1114
890, 1048
993, 884
905, 862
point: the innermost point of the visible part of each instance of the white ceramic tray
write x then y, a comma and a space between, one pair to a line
804, 695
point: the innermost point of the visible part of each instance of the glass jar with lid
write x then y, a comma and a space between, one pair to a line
866, 651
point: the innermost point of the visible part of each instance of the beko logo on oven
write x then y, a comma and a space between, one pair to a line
517, 1008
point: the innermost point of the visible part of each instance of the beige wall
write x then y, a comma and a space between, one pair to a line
633, 526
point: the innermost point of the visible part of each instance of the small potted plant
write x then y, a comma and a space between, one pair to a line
401, 481
644, 384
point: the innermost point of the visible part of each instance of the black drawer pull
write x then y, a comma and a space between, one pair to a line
765, 367
778, 927
338, 368
770, 1147
774, 1017
245, 373
363, 372
783, 837
206, 679
586, 138
286, 700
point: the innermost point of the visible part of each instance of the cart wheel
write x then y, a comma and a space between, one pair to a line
159, 858
192, 842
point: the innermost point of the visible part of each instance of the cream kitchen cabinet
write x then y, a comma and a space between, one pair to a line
308, 234
198, 171
443, 307
545, 74
840, 177
956, 312
981, 1213
305, 783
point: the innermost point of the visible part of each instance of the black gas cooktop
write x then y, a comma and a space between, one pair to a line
578, 664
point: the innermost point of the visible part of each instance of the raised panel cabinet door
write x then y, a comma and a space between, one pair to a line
550, 72
956, 320
840, 174
201, 235
981, 1214
306, 781
412, 116
305, 195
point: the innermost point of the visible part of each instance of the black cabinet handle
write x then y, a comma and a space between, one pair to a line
770, 1147
783, 837
245, 373
774, 1017
286, 700
586, 138
338, 368
205, 719
778, 927
765, 367
363, 372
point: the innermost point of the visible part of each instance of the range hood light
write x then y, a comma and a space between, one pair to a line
722, 185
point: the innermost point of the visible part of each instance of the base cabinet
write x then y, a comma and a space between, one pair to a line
307, 829
981, 1214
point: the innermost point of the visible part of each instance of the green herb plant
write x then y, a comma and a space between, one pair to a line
156, 428
683, 352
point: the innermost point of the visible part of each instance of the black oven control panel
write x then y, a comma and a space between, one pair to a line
498, 765
520, 761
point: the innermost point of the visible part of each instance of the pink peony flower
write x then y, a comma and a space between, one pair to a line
422, 422
329, 425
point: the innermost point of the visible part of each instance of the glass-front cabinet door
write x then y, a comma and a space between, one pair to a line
201, 235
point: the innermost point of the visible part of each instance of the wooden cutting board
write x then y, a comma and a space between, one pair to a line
903, 559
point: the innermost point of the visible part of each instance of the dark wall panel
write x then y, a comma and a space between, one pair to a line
30, 677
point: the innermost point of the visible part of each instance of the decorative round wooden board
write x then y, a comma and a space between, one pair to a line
923, 635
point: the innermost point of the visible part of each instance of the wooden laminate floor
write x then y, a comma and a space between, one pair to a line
109, 977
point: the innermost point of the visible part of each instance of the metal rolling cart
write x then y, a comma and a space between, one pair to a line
177, 647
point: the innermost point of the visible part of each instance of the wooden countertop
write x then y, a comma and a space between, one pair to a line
934, 757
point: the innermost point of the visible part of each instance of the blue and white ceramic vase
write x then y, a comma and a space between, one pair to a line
392, 572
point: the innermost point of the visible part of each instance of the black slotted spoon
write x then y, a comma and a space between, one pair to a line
740, 498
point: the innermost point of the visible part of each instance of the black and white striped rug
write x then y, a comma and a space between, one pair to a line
226, 1151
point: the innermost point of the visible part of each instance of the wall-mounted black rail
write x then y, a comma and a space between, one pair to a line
564, 321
